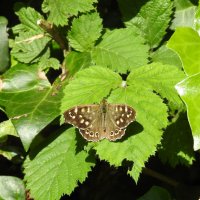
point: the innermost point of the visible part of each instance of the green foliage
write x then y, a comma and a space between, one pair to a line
172, 149
156, 193
152, 20
60, 10
11, 188
68, 56
121, 50
85, 31
186, 41
60, 164
4, 54
189, 90
21, 85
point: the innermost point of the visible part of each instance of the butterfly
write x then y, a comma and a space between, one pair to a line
98, 121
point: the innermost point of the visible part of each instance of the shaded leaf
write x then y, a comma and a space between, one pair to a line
76, 61
177, 143
27, 98
156, 193
7, 128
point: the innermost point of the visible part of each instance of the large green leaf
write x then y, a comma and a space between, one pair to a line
161, 78
186, 42
189, 90
4, 49
11, 188
60, 10
57, 168
121, 50
144, 135
152, 20
89, 86
92, 84
27, 99
85, 31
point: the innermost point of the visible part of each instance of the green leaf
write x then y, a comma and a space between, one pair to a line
197, 19
85, 31
156, 193
166, 56
76, 61
46, 64
31, 43
189, 90
60, 10
184, 17
177, 143
28, 18
89, 86
144, 134
161, 78
27, 99
11, 188
121, 50
152, 20
57, 168
186, 42
29, 49
4, 49
7, 128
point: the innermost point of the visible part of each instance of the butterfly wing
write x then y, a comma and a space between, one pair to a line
118, 117
87, 119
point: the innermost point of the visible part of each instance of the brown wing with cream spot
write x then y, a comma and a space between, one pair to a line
87, 119
118, 117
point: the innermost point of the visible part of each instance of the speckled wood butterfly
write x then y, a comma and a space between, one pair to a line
98, 121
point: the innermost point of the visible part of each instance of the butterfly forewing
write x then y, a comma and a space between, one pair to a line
87, 118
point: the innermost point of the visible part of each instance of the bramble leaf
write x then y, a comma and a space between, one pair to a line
121, 50
57, 168
76, 61
83, 89
60, 10
161, 78
85, 31
152, 20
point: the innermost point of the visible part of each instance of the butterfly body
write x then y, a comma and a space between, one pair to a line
98, 121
